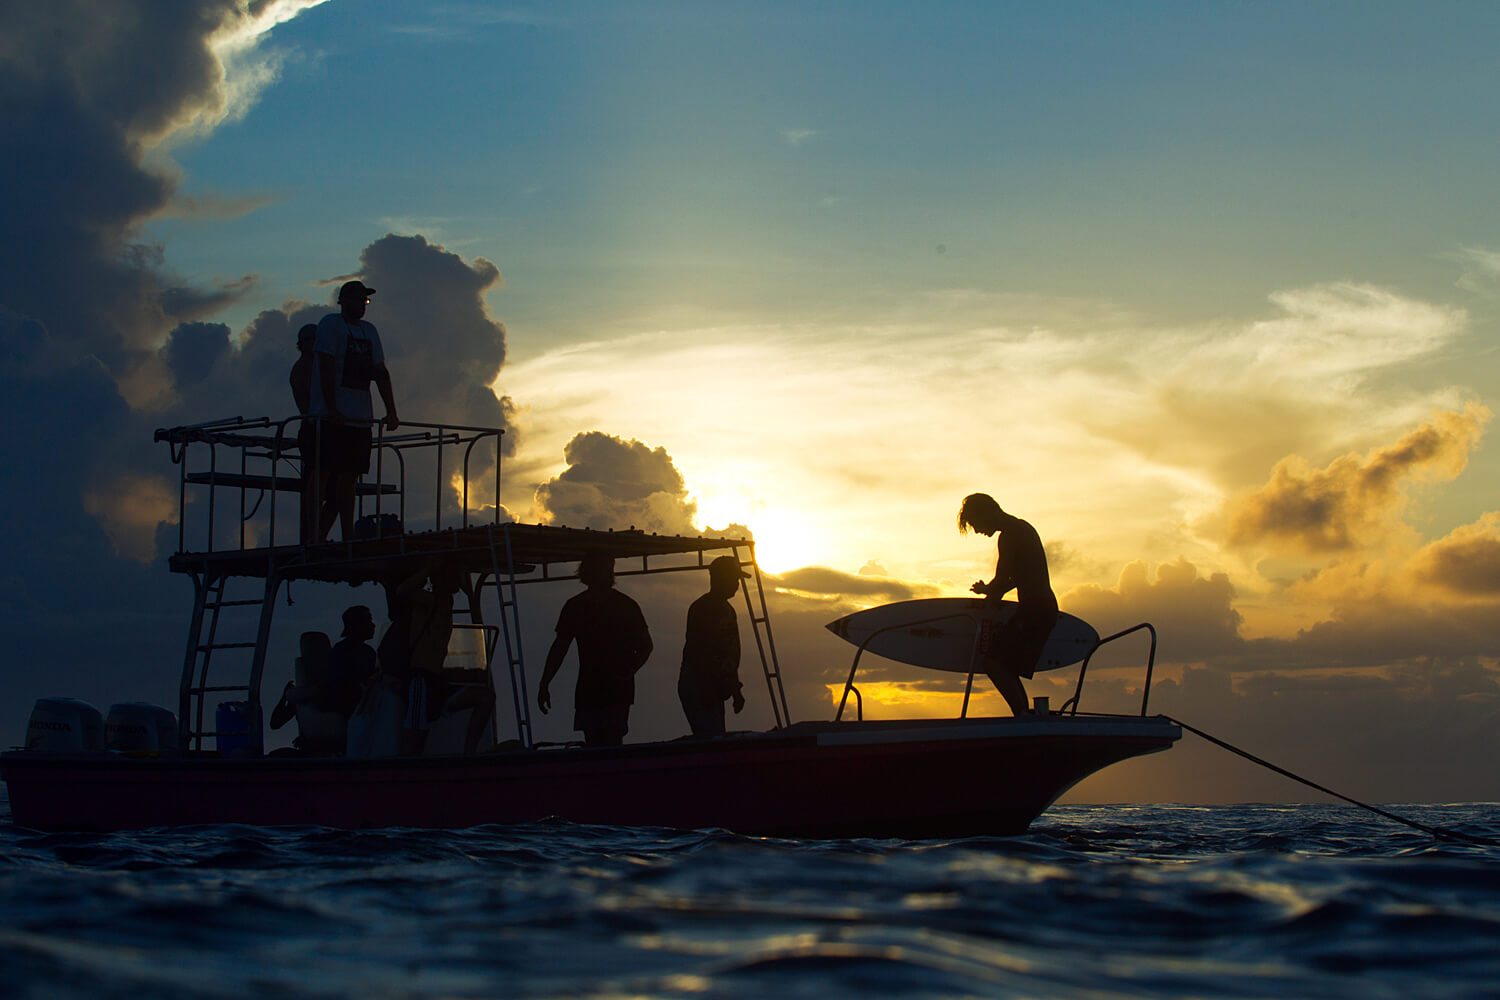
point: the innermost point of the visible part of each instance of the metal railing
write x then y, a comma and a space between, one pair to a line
1068, 707
259, 459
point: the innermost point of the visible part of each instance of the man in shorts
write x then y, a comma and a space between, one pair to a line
1021, 563
613, 643
349, 357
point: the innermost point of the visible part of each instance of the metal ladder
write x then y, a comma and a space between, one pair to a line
510, 627
766, 646
210, 601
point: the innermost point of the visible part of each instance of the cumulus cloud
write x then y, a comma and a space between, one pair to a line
611, 483
1193, 614
84, 119
1466, 563
1355, 499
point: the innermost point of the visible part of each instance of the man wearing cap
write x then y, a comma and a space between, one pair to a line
613, 643
349, 357
352, 661
711, 654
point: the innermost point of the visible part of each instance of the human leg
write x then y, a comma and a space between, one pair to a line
1011, 689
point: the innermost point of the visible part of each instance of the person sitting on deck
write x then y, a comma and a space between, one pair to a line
351, 664
414, 649
613, 643
1021, 563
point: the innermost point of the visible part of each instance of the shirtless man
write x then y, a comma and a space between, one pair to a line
1021, 564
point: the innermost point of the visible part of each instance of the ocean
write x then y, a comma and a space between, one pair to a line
1093, 902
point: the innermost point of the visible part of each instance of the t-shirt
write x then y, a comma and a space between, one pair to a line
611, 633
354, 350
711, 652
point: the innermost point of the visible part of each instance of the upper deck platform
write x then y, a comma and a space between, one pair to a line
239, 494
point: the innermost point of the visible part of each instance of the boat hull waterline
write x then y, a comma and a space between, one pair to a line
912, 779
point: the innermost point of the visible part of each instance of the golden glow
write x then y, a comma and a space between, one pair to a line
785, 538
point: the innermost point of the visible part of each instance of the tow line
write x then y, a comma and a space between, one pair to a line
1438, 832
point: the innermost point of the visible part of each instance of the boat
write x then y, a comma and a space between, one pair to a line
238, 495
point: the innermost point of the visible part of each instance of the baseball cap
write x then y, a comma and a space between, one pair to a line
726, 566
356, 290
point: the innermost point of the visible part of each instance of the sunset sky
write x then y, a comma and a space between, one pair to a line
1206, 292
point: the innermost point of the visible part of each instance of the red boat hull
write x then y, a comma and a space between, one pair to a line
912, 779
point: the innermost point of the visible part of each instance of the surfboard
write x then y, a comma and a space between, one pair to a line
938, 633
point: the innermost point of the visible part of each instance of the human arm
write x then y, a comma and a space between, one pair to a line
1005, 575
554, 664
382, 376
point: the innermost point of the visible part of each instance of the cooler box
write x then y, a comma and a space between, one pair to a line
238, 735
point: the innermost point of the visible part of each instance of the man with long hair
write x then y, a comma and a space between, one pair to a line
1021, 565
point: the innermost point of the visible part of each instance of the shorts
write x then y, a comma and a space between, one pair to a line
349, 448
1017, 645
602, 725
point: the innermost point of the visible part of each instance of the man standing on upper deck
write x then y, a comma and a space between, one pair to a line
349, 357
1021, 563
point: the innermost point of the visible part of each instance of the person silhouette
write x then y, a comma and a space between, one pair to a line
1021, 564
349, 357
711, 652
613, 643
316, 486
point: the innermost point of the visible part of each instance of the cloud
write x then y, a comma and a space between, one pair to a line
1193, 614
1481, 269
820, 581
74, 98
1355, 500
798, 136
611, 483
1467, 562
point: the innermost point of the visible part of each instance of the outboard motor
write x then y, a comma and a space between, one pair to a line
64, 725
139, 726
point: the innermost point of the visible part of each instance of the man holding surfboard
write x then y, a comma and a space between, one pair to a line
1013, 649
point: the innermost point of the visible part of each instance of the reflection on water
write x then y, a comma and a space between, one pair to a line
1102, 901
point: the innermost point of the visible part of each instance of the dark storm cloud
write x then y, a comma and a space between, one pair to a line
192, 350
1350, 502
80, 105
443, 348
614, 483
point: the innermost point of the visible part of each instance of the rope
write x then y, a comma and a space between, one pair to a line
1439, 833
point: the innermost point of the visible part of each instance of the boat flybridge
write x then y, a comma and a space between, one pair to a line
239, 496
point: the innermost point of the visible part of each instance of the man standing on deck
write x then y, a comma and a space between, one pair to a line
1014, 648
349, 357
711, 652
613, 643
315, 483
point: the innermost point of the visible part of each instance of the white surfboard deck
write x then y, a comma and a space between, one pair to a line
938, 633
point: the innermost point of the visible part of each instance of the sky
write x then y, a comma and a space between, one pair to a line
1205, 292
